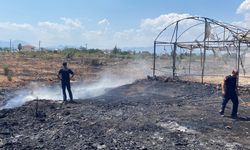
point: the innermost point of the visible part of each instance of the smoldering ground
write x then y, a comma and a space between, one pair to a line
146, 114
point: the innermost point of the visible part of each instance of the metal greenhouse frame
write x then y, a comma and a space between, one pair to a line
213, 35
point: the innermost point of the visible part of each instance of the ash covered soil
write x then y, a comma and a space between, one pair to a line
146, 114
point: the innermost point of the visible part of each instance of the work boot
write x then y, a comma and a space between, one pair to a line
73, 102
65, 102
221, 113
234, 116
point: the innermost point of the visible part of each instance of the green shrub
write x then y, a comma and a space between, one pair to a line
7, 72
10, 75
70, 52
6, 69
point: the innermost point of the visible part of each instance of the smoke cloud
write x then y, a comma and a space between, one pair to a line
113, 77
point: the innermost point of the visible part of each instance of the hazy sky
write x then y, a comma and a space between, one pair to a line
106, 23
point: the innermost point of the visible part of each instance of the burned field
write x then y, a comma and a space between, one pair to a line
147, 114
162, 113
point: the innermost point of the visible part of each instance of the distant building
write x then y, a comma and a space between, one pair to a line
107, 51
28, 47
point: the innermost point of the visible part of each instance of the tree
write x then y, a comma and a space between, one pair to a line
116, 50
19, 47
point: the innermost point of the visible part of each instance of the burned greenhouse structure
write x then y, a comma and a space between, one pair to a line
200, 46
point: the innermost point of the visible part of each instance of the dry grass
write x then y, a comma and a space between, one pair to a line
243, 80
44, 68
26, 69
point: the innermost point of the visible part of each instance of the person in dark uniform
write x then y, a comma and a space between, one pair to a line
65, 74
229, 92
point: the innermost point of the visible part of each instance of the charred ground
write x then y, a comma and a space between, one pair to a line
147, 114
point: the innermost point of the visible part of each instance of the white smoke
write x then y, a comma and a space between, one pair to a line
83, 90
110, 78
34, 91
79, 90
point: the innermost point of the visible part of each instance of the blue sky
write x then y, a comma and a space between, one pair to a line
106, 23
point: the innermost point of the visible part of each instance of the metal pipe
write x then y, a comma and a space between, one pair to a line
238, 67
154, 58
204, 55
190, 55
175, 47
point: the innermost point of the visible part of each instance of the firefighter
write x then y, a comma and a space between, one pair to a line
65, 74
229, 92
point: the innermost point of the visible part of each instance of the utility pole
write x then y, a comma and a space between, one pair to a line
86, 46
39, 45
10, 44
